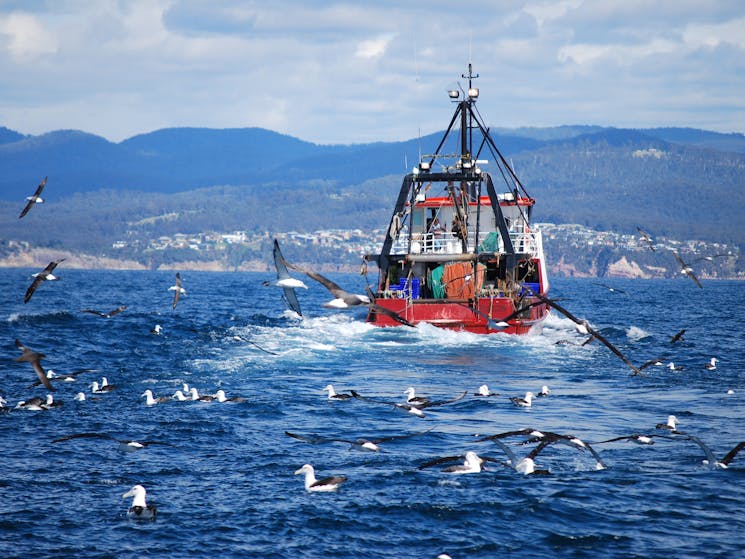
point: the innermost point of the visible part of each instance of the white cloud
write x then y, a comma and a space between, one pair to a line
373, 48
25, 36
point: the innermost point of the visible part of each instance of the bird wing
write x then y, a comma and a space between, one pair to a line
312, 439
650, 363
443, 460
707, 451
84, 436
397, 437
117, 311
282, 273
93, 311
375, 308
677, 336
177, 291
691, 275
31, 288
682, 264
520, 432
333, 288
442, 402
732, 453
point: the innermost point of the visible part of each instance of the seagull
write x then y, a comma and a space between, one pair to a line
44, 275
105, 314
484, 391
686, 269
326, 484
222, 398
35, 358
712, 364
35, 198
128, 443
472, 463
177, 289
646, 237
140, 510
150, 400
372, 445
285, 281
333, 395
524, 402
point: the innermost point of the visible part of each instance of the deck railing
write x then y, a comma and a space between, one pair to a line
449, 243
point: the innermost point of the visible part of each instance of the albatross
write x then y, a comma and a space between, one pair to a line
150, 400
325, 484
372, 445
285, 281
334, 395
35, 198
472, 463
685, 269
40, 277
140, 510
178, 291
105, 314
129, 444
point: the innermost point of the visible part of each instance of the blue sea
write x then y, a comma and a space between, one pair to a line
224, 483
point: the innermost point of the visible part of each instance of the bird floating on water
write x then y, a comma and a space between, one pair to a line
484, 391
671, 424
325, 484
334, 395
150, 400
472, 463
35, 198
222, 398
525, 402
712, 364
140, 510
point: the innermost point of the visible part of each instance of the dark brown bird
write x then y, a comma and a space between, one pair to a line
44, 275
35, 198
34, 358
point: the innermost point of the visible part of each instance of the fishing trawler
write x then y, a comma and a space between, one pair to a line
457, 253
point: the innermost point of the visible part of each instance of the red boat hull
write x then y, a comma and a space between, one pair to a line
458, 314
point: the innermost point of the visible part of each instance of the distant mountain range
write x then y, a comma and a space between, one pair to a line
679, 182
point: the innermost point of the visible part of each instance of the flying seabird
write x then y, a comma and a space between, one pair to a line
677, 337
140, 510
34, 358
333, 395
177, 289
285, 281
414, 410
525, 466
635, 438
524, 402
484, 391
326, 484
105, 314
222, 398
150, 400
686, 269
712, 364
35, 198
652, 362
610, 288
128, 443
711, 460
342, 299
646, 237
361, 443
583, 324
472, 463
45, 275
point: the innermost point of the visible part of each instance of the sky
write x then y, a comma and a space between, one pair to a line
343, 72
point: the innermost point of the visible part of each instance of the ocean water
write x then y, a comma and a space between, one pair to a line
224, 483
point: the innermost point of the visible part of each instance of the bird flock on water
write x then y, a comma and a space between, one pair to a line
468, 462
